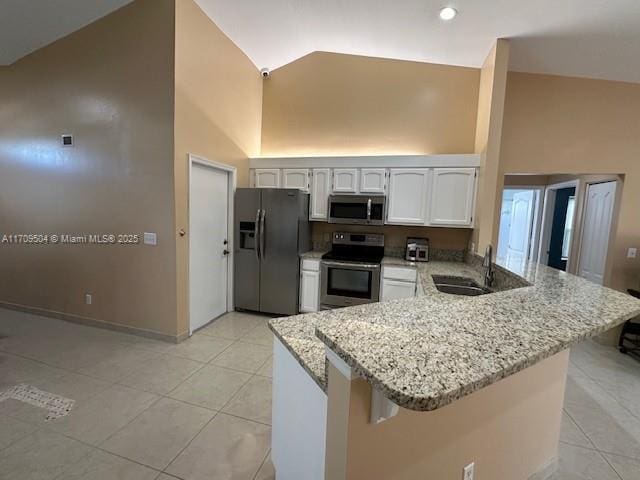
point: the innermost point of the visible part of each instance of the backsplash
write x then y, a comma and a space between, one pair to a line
444, 243
503, 279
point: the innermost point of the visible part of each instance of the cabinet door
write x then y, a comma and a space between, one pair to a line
309, 291
296, 178
320, 189
394, 289
407, 198
345, 180
452, 196
372, 180
267, 178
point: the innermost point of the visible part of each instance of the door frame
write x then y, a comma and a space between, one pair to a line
533, 254
547, 220
232, 179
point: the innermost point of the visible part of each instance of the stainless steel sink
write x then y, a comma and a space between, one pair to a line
459, 286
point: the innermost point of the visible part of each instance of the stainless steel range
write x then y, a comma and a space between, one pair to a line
350, 272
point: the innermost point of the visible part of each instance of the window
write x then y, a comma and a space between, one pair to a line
568, 224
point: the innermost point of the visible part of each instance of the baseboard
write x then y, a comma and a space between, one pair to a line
547, 471
91, 322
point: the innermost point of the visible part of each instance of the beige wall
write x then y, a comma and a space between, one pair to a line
564, 125
218, 105
510, 430
493, 78
526, 180
109, 84
330, 104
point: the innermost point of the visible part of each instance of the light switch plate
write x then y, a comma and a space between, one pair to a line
632, 253
150, 238
467, 473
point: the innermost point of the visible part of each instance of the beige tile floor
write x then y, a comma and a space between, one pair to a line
202, 409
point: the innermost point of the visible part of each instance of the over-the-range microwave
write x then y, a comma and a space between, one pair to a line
357, 209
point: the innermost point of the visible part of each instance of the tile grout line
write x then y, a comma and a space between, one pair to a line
98, 448
110, 383
611, 465
581, 430
604, 390
264, 460
164, 470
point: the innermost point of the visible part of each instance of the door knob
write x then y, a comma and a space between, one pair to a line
226, 252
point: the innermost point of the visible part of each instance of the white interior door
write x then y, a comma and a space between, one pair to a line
521, 222
208, 263
596, 229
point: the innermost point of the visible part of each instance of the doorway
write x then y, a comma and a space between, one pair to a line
519, 224
562, 228
558, 224
211, 188
598, 217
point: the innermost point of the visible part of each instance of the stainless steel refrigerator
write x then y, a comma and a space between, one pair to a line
271, 231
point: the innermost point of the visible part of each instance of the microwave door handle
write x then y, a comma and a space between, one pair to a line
256, 235
264, 213
369, 210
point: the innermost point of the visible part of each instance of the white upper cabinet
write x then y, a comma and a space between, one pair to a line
296, 178
345, 180
320, 190
452, 196
407, 198
372, 180
267, 178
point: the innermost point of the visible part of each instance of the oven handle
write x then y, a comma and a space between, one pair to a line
351, 265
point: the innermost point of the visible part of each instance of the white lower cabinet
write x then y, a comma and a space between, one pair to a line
398, 282
394, 289
310, 285
407, 199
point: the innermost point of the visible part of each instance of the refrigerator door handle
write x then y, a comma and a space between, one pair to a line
369, 210
264, 213
257, 235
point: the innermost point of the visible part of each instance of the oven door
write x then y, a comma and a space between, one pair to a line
356, 209
347, 283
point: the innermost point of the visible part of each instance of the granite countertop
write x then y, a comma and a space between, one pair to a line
397, 262
425, 352
298, 332
313, 255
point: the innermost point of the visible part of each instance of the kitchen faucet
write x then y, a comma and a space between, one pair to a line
488, 266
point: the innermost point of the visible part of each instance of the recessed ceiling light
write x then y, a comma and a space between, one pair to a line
448, 13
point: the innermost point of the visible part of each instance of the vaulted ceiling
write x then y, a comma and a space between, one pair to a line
27, 25
589, 38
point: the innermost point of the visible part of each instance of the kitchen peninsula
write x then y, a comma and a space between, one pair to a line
428, 386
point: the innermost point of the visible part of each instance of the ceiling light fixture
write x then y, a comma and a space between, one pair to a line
448, 13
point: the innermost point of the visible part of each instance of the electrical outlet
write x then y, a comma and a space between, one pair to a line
88, 298
467, 473
632, 253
